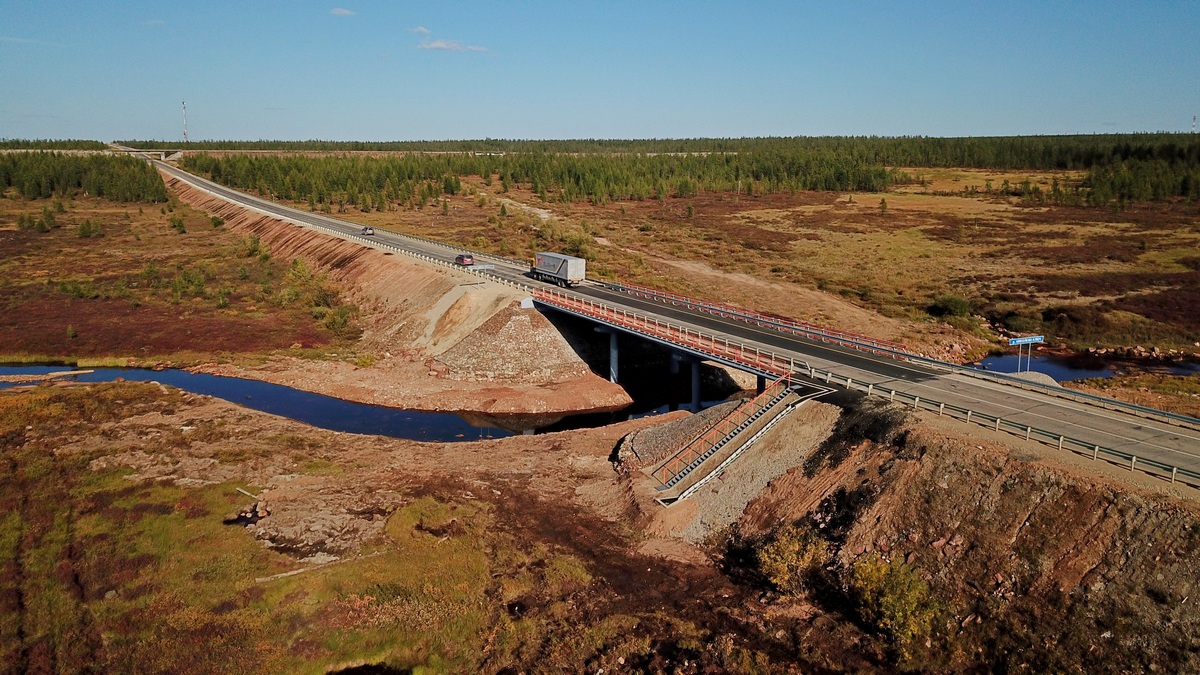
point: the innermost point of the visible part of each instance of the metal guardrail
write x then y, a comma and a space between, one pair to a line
653, 327
900, 352
767, 360
997, 423
853, 340
373, 242
675, 469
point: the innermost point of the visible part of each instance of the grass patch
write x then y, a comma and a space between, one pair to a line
209, 291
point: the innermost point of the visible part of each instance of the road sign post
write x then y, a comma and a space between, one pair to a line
1020, 343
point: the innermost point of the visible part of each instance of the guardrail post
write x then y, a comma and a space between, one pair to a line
1174, 470
997, 423
1132, 462
892, 396
941, 409
1028, 429
1095, 452
916, 402
870, 387
1060, 442
969, 411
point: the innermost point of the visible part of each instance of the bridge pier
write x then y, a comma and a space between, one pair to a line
694, 362
612, 352
760, 385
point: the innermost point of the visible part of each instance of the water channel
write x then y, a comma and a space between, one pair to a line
317, 410
335, 414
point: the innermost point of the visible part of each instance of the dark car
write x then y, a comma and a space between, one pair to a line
464, 259
368, 230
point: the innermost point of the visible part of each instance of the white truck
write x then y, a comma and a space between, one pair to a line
556, 268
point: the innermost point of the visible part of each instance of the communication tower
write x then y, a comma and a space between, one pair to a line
185, 138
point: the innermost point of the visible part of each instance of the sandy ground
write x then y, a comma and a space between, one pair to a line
323, 513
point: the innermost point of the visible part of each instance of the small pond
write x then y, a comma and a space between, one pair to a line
1082, 366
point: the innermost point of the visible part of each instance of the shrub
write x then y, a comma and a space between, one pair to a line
88, 229
795, 559
1021, 323
251, 247
338, 320
950, 305
217, 221
894, 599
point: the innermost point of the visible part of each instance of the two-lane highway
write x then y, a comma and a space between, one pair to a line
1173, 445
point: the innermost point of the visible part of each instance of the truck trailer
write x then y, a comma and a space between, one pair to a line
556, 268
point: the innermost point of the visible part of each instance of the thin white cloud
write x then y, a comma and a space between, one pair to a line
421, 30
449, 46
341, 11
17, 41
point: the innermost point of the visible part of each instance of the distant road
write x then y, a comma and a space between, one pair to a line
1172, 444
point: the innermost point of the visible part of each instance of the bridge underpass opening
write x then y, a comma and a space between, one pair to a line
647, 370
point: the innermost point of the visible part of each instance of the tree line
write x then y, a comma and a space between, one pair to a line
49, 144
987, 152
1117, 173
372, 182
39, 175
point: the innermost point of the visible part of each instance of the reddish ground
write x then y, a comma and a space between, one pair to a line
142, 289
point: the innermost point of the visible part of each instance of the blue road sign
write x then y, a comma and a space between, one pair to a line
1026, 340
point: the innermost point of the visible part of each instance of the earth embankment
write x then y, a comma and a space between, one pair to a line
1033, 561
435, 339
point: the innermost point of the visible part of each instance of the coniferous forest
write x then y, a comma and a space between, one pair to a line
38, 175
50, 144
1118, 169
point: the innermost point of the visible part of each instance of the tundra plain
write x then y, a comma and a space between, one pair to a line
884, 541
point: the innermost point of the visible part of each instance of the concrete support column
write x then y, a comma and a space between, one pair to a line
695, 385
612, 356
675, 357
761, 385
612, 351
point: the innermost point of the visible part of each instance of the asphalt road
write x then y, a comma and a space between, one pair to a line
1167, 443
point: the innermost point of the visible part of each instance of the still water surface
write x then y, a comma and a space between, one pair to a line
1079, 367
314, 409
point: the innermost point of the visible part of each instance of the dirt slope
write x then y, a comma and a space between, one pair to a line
438, 340
1039, 567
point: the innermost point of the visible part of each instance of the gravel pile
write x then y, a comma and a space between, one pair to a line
515, 344
649, 446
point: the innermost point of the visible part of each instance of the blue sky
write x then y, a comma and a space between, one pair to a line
393, 70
